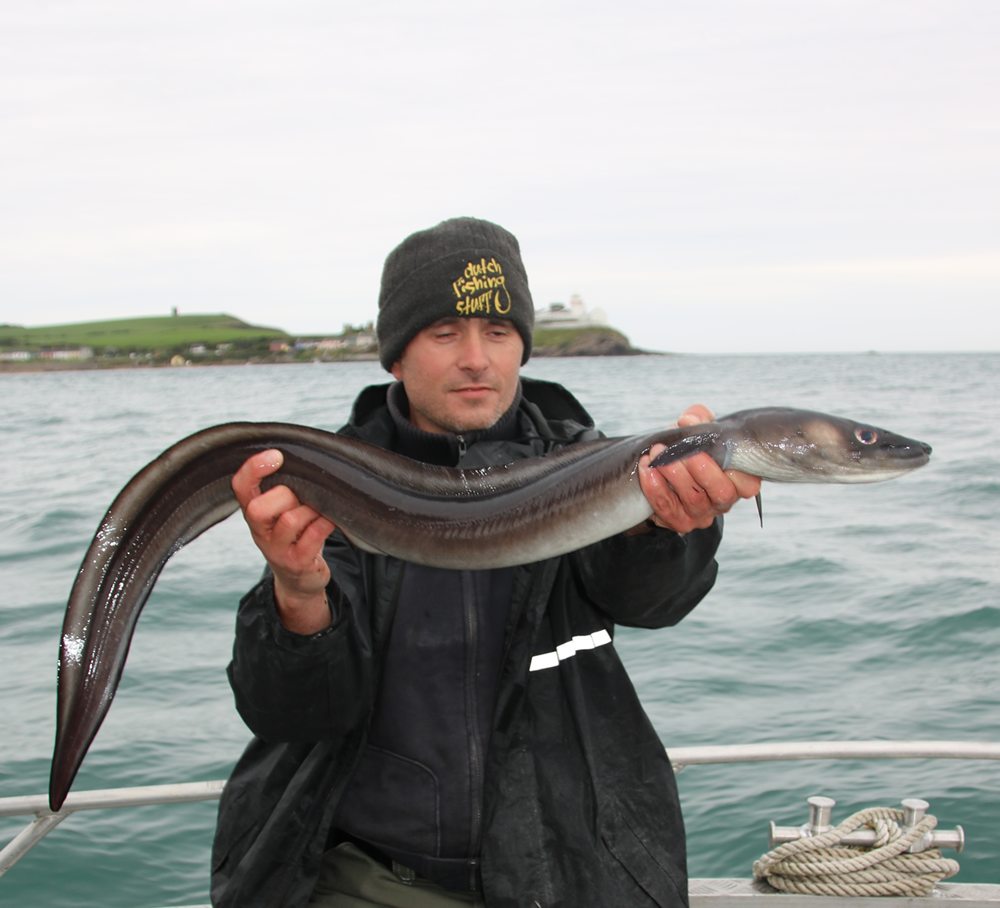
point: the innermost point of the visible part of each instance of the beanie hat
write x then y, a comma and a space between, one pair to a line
463, 267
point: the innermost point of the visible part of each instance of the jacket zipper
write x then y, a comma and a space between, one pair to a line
472, 708
472, 712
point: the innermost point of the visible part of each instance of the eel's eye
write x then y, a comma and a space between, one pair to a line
865, 435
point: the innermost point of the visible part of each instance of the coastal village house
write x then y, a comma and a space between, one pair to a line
571, 315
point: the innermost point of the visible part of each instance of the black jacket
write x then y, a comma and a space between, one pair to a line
580, 807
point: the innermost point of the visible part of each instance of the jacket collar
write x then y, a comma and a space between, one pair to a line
444, 448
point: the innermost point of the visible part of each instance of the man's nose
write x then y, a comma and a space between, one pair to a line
474, 355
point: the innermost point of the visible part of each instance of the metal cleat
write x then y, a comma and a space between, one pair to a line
820, 813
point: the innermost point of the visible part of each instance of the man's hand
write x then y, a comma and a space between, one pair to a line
290, 535
689, 494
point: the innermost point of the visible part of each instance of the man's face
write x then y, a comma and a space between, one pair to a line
460, 374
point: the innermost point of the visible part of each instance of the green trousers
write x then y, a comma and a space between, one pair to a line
352, 879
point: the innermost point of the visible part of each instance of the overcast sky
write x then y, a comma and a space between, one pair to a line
721, 176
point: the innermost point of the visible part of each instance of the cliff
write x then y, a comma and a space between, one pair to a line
588, 341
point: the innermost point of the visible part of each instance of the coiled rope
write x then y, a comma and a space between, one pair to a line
821, 865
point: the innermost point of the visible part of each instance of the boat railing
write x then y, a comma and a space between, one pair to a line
44, 820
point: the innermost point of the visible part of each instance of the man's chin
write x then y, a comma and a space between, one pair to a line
473, 421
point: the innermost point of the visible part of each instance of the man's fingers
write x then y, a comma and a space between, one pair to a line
265, 509
670, 492
314, 533
246, 481
695, 415
747, 486
717, 485
280, 517
303, 527
698, 483
688, 494
691, 495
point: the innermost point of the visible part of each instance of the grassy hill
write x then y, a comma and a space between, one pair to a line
590, 341
140, 334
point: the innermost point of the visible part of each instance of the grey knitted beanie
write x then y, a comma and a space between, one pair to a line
463, 267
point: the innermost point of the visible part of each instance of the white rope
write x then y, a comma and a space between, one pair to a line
820, 865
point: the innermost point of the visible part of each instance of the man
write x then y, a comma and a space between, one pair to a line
430, 737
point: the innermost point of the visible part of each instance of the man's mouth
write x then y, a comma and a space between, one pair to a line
473, 389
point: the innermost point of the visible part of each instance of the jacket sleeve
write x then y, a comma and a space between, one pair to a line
292, 687
652, 579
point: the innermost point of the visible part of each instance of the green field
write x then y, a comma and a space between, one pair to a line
139, 334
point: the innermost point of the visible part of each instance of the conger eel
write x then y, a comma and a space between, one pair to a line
452, 518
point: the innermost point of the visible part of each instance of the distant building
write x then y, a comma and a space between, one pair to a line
76, 353
571, 315
361, 340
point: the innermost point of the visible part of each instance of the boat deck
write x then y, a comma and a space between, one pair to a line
735, 893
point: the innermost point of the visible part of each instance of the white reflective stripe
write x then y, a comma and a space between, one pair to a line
546, 660
569, 649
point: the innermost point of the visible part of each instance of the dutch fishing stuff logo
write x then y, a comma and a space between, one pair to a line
481, 289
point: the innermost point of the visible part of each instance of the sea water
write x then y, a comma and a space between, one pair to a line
856, 612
